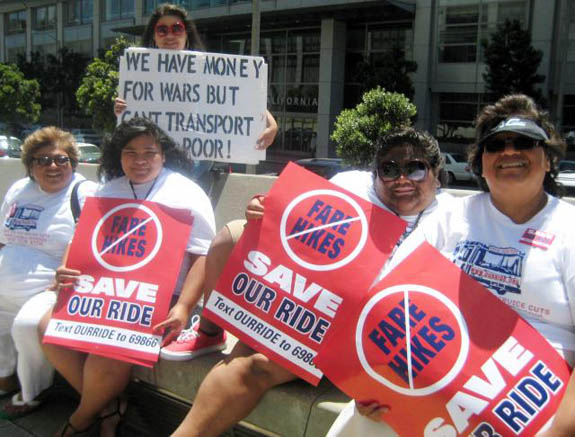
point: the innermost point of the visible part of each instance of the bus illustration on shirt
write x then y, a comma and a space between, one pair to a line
23, 217
497, 268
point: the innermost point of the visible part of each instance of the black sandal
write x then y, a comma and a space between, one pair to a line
74, 429
120, 411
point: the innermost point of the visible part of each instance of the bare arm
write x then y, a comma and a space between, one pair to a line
564, 421
267, 137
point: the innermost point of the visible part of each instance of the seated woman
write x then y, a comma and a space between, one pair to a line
515, 157
37, 224
139, 162
404, 181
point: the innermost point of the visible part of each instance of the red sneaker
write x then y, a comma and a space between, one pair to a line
192, 343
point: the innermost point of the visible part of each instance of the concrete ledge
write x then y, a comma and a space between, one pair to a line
293, 409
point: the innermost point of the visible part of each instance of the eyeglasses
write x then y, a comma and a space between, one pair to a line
47, 161
176, 29
520, 143
414, 170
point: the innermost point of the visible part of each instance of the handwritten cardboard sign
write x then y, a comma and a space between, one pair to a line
212, 104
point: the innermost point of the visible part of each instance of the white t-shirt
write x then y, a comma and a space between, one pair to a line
176, 191
529, 266
36, 227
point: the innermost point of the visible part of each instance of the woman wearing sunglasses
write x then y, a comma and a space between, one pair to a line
37, 224
515, 158
404, 181
171, 28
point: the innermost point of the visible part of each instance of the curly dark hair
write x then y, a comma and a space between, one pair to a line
522, 106
111, 162
194, 42
410, 137
49, 136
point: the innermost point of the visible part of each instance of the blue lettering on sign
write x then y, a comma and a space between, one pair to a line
327, 240
117, 243
130, 312
529, 396
429, 336
253, 291
484, 430
85, 306
302, 320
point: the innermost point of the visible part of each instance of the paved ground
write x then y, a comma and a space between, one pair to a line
47, 420
43, 422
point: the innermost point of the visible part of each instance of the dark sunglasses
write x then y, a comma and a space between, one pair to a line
163, 29
46, 161
414, 170
520, 143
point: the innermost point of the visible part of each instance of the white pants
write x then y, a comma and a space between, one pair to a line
34, 371
350, 423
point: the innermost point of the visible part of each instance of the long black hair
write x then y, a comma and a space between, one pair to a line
194, 42
111, 163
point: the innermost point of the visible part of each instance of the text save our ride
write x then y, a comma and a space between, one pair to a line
127, 237
325, 243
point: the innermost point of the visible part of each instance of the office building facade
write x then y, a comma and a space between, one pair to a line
314, 47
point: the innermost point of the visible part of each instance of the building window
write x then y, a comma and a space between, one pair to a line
293, 68
457, 113
16, 22
79, 11
368, 48
293, 78
44, 17
117, 9
463, 26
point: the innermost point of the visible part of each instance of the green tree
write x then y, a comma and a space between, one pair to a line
512, 62
99, 86
391, 72
356, 130
18, 97
58, 75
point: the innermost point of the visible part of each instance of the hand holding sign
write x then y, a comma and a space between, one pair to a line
121, 287
291, 272
442, 346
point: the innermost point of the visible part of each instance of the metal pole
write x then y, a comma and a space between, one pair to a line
256, 17
254, 51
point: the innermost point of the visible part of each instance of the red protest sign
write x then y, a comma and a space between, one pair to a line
437, 347
129, 253
291, 273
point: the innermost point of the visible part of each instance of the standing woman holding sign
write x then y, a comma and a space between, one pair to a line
139, 162
170, 28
